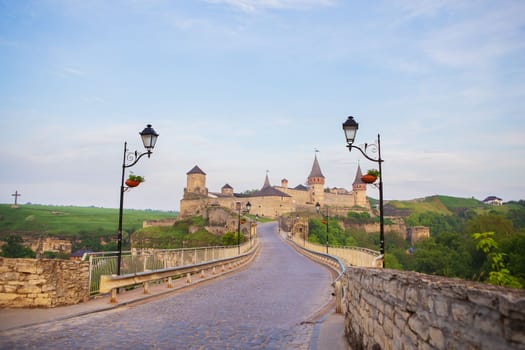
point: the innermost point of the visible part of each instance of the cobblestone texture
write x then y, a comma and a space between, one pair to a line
262, 307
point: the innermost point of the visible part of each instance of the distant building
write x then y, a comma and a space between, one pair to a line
493, 200
273, 201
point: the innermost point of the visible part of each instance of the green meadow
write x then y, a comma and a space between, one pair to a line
70, 221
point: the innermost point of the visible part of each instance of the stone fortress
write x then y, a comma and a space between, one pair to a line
274, 201
281, 201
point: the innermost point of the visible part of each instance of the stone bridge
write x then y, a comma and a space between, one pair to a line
278, 302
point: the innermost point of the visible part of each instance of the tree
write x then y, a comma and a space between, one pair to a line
499, 275
436, 257
15, 249
490, 223
230, 238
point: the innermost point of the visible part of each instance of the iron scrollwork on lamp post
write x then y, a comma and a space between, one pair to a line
350, 127
149, 138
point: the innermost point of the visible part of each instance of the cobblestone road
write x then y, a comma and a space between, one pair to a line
261, 307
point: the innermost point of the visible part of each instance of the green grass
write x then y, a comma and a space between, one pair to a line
417, 206
68, 221
454, 202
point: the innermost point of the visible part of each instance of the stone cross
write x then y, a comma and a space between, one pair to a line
16, 195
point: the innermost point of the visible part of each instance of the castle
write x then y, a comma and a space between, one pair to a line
274, 201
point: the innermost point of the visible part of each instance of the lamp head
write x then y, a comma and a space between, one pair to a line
248, 206
350, 128
318, 207
149, 137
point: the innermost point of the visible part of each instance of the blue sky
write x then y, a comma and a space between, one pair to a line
240, 87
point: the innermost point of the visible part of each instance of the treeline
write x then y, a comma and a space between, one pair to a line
483, 246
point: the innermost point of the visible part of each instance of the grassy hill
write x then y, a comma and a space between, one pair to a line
444, 205
69, 221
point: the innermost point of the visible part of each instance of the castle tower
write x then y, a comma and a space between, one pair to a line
227, 190
316, 181
359, 189
196, 183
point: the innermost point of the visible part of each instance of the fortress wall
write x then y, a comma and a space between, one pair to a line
390, 309
43, 282
158, 223
339, 200
271, 206
300, 196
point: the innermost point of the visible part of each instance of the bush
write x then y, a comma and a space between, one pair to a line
15, 249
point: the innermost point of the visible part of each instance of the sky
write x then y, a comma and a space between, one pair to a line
243, 88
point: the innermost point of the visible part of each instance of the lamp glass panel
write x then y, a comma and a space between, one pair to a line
350, 134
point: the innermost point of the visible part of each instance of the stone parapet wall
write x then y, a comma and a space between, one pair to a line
43, 282
389, 309
159, 223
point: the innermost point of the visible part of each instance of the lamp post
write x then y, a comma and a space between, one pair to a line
318, 208
239, 207
350, 128
149, 138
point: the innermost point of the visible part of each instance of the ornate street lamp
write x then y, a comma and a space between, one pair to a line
326, 217
350, 127
149, 138
247, 210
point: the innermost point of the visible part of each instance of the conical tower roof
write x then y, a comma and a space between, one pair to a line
268, 191
316, 169
196, 170
266, 182
358, 176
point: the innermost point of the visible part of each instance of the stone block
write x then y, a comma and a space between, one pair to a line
483, 298
437, 339
488, 322
25, 266
412, 298
441, 306
29, 288
462, 312
424, 346
514, 330
512, 307
401, 318
48, 288
9, 288
42, 301
5, 298
9, 276
397, 342
388, 326
419, 327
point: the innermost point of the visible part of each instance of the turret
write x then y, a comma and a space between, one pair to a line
359, 189
316, 182
227, 190
196, 183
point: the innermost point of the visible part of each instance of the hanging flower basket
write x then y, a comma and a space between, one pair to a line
371, 176
132, 183
134, 180
369, 179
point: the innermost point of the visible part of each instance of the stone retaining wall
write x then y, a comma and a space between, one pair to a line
43, 282
389, 309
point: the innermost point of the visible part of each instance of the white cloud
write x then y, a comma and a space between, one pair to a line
251, 6
73, 71
478, 39
424, 8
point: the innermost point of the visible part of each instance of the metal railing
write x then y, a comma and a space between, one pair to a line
355, 256
111, 283
144, 260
